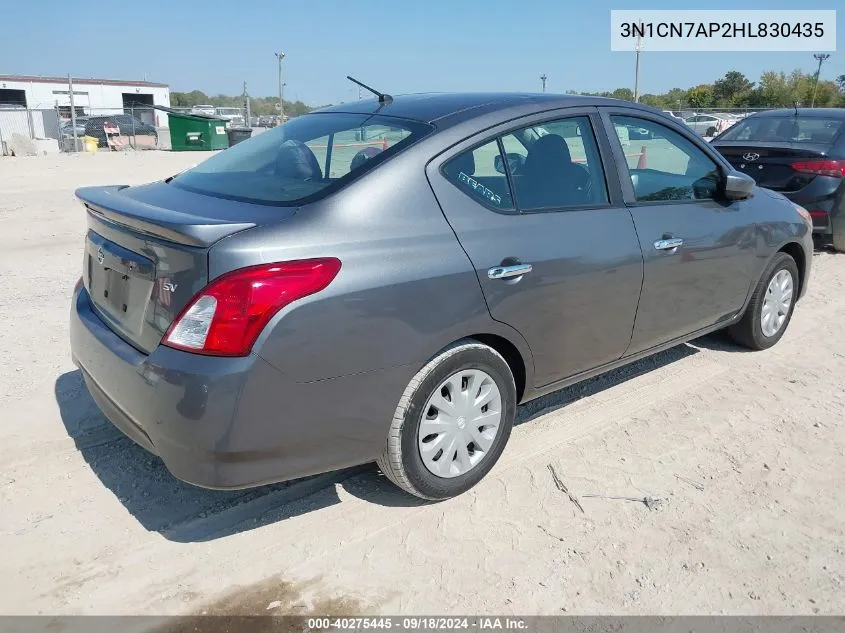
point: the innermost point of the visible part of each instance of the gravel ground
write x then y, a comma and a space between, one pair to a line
733, 462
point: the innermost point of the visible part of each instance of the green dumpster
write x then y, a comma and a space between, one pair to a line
193, 132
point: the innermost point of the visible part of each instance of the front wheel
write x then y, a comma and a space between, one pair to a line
452, 422
770, 309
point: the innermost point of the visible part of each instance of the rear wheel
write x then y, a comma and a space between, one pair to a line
770, 309
452, 422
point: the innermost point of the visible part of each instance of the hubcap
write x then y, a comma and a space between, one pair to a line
459, 423
776, 303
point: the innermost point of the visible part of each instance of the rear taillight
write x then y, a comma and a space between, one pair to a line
835, 168
226, 317
818, 213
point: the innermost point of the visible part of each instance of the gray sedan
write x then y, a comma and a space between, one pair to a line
386, 280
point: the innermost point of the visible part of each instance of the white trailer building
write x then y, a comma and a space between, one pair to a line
90, 96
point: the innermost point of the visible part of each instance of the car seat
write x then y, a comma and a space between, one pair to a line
296, 160
550, 178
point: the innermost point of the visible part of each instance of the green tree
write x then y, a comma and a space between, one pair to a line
773, 90
623, 93
701, 96
732, 89
675, 99
655, 101
188, 99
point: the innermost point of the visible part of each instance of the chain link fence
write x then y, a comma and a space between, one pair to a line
35, 130
19, 125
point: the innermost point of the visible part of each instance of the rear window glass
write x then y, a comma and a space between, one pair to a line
302, 160
785, 129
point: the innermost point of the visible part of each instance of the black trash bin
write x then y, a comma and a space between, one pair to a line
238, 134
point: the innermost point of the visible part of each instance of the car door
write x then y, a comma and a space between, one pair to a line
698, 246
692, 122
541, 217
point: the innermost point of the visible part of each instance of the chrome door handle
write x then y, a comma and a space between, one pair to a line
506, 272
668, 244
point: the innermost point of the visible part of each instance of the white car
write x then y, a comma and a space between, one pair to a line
707, 125
208, 110
232, 116
675, 117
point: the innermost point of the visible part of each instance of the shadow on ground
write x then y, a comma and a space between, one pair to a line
184, 513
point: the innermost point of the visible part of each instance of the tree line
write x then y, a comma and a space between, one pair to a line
258, 106
773, 90
734, 90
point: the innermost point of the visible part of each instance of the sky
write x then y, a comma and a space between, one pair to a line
398, 47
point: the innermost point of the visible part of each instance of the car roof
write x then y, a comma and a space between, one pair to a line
450, 108
826, 113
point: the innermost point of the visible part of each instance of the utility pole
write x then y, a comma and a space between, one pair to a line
281, 56
639, 49
72, 110
543, 79
247, 123
821, 57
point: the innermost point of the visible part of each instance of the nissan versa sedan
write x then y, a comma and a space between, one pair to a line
307, 301
800, 153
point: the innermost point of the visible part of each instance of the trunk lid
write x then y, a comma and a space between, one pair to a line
771, 167
146, 252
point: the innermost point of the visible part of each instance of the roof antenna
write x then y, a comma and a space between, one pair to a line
382, 97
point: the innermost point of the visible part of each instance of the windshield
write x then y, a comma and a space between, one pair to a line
784, 129
302, 160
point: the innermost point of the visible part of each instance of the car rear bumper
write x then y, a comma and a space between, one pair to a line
827, 209
231, 422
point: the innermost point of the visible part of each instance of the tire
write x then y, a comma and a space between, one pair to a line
749, 330
838, 240
402, 461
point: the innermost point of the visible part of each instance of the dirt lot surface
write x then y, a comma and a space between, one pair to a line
740, 456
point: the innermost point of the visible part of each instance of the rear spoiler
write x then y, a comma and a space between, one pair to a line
167, 224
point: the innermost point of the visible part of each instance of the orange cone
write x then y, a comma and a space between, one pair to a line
641, 163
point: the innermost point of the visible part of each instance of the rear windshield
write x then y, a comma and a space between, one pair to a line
302, 160
785, 129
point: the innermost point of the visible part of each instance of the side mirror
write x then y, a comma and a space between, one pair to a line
515, 162
738, 185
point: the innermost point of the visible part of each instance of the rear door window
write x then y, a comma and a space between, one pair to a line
480, 173
561, 168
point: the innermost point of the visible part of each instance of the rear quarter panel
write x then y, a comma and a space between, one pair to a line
405, 290
778, 224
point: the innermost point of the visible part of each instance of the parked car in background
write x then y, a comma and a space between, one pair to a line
708, 124
800, 153
208, 110
66, 127
127, 125
266, 121
298, 303
254, 121
234, 117
675, 116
